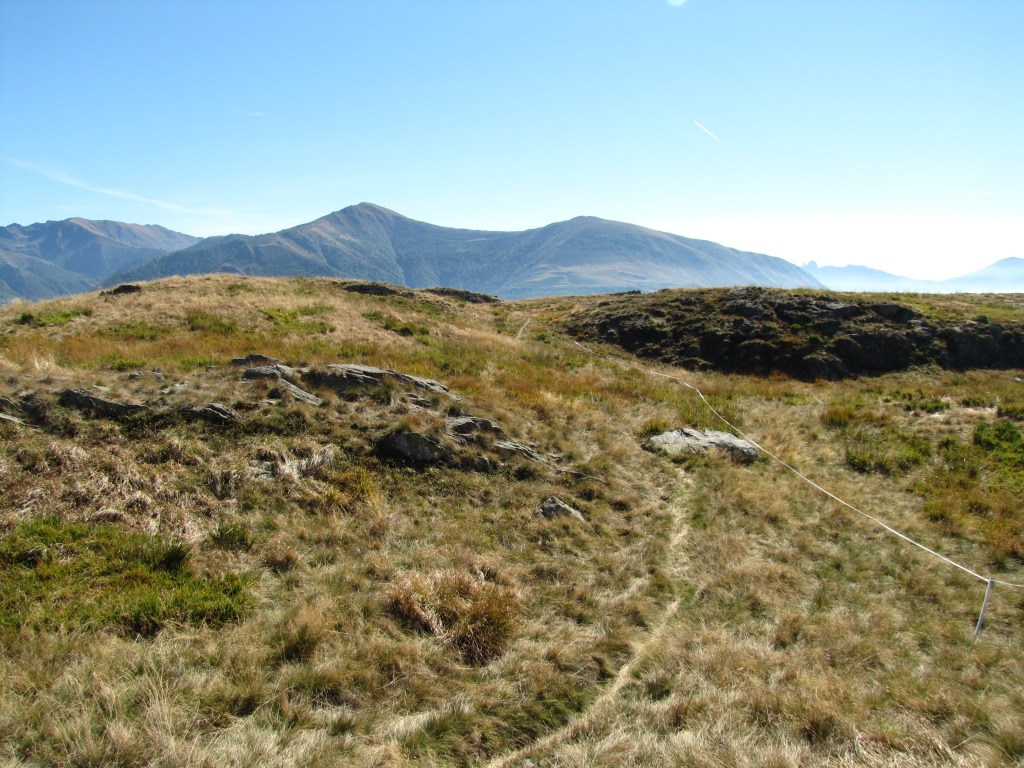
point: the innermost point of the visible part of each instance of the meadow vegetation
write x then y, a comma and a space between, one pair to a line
276, 591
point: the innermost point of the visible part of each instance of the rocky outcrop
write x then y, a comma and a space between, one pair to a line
680, 442
466, 442
122, 290
470, 297
82, 400
376, 289
472, 425
804, 335
352, 378
277, 373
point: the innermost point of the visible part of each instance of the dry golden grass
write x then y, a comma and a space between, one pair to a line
705, 614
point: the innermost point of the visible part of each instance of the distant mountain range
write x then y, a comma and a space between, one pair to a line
584, 255
1006, 276
41, 261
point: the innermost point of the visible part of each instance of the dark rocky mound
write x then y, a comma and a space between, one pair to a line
470, 297
800, 334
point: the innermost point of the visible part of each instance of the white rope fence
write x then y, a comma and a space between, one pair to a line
989, 582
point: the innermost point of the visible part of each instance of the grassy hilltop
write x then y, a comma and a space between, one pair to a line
205, 566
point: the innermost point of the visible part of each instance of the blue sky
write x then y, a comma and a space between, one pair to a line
889, 134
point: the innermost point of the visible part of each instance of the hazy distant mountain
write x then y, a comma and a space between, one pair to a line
27, 277
1006, 276
60, 257
581, 256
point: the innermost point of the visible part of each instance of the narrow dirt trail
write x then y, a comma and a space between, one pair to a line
580, 723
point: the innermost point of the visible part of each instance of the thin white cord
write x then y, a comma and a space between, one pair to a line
796, 472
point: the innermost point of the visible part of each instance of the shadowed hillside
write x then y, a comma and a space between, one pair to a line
61, 257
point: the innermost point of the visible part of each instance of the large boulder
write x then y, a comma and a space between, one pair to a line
413, 447
681, 442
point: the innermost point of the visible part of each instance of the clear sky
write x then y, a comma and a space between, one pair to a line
888, 133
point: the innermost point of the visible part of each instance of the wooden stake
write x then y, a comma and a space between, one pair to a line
984, 607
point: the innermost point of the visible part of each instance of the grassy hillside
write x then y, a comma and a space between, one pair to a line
263, 583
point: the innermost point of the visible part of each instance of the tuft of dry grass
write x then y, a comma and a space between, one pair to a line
477, 617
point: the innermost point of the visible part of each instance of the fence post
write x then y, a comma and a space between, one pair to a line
984, 607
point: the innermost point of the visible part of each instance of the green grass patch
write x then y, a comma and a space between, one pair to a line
978, 486
139, 331
200, 320
888, 451
232, 537
917, 401
187, 363
52, 319
55, 573
120, 363
401, 327
290, 321
311, 310
1003, 440
1014, 411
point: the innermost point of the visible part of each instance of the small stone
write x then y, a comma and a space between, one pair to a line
213, 413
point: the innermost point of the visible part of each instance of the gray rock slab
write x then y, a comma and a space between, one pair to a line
680, 442
511, 446
353, 377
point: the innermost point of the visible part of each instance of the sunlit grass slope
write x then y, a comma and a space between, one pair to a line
277, 591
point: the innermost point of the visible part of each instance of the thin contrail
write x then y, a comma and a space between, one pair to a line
64, 178
709, 133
